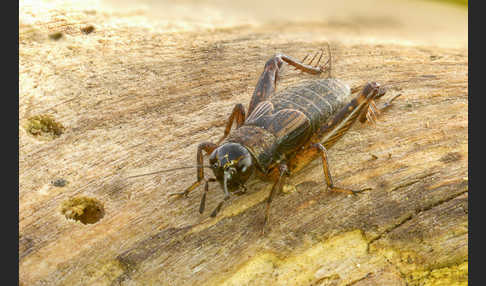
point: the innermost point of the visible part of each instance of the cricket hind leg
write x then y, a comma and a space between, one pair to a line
372, 112
331, 132
327, 66
361, 107
267, 82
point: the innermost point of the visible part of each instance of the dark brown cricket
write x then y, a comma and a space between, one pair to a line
283, 131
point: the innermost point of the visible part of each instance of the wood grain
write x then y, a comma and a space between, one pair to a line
136, 98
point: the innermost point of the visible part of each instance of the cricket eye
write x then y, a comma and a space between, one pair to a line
213, 162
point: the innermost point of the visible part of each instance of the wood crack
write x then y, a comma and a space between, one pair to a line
416, 213
367, 275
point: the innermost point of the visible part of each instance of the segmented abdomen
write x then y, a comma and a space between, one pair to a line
318, 99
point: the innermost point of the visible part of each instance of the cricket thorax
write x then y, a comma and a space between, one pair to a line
259, 142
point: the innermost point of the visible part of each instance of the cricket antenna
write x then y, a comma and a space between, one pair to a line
167, 170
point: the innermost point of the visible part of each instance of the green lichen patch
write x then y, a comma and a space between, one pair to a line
314, 266
59, 182
55, 36
453, 275
44, 126
84, 209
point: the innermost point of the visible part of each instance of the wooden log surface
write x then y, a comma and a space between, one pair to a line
106, 93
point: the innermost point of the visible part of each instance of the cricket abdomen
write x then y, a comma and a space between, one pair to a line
318, 99
280, 126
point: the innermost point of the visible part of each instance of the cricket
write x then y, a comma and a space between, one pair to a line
281, 132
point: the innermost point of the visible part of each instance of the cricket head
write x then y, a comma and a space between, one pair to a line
232, 165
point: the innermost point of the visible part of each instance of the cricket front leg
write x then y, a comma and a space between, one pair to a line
208, 147
237, 115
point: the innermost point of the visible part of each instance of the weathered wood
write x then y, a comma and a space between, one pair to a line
134, 98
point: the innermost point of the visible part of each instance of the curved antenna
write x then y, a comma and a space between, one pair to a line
167, 170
